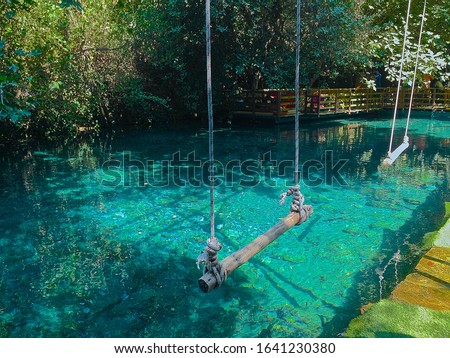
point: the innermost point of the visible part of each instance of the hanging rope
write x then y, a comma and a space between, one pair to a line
209, 256
392, 156
298, 199
400, 75
210, 114
415, 69
297, 92
216, 272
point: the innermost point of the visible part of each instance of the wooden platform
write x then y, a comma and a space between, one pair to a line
429, 284
278, 105
264, 118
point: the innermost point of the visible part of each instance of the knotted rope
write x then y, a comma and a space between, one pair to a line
297, 199
209, 257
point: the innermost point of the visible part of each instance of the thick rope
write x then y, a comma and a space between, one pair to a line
400, 77
210, 113
406, 139
297, 94
209, 256
297, 199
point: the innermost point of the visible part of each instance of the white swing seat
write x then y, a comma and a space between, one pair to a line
396, 153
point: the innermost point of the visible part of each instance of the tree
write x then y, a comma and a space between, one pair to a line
73, 67
433, 59
388, 21
333, 41
253, 44
14, 104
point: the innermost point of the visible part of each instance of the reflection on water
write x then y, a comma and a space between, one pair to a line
82, 259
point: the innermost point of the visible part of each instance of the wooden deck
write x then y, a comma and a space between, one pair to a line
429, 284
279, 105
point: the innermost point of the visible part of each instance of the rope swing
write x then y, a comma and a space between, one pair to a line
298, 199
416, 66
215, 272
392, 156
209, 257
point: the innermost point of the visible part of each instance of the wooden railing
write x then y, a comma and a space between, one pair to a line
319, 102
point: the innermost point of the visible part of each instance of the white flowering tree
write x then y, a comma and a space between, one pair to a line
388, 25
434, 60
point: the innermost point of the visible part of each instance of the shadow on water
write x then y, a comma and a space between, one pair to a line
408, 241
162, 301
159, 298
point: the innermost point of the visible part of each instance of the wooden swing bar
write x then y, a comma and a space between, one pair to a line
208, 281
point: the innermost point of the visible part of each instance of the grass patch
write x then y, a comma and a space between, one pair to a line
390, 319
430, 238
447, 212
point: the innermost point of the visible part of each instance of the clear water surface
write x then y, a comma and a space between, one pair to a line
86, 253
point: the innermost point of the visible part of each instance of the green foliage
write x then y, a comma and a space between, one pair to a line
388, 21
253, 44
333, 41
438, 237
71, 64
433, 59
14, 104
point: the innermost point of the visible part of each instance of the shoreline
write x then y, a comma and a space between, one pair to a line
419, 306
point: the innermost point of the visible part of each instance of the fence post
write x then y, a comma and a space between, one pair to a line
403, 97
318, 104
253, 105
367, 99
279, 104
446, 98
305, 109
336, 101
350, 101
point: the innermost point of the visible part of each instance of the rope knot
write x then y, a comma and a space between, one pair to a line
209, 257
297, 198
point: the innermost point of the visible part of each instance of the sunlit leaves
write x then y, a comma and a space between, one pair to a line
433, 59
55, 85
388, 19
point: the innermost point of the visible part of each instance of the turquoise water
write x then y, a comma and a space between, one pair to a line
84, 257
